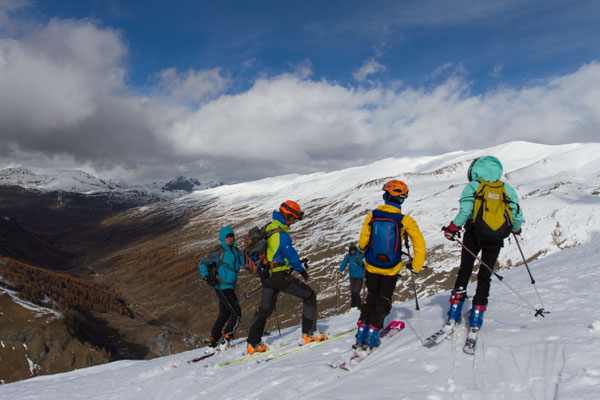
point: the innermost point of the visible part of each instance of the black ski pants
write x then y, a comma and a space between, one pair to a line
282, 281
489, 255
355, 287
229, 309
379, 300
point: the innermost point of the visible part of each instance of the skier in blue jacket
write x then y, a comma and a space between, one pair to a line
487, 168
220, 270
283, 258
356, 269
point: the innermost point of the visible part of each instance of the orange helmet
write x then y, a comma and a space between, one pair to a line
396, 188
291, 208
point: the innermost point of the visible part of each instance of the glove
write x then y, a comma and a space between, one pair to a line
518, 232
451, 230
410, 270
212, 280
305, 275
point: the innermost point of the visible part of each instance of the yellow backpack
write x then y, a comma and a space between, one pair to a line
492, 216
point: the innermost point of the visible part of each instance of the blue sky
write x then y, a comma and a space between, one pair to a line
152, 89
512, 43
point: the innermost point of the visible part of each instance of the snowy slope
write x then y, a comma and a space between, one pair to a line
518, 357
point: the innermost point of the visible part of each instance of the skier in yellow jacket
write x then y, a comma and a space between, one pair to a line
381, 242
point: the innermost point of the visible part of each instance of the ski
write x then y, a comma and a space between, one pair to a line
209, 353
248, 357
202, 357
355, 355
440, 335
471, 341
306, 346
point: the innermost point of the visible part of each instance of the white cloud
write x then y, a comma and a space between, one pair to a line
64, 97
369, 67
193, 86
496, 71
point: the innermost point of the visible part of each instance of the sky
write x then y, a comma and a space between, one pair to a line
236, 90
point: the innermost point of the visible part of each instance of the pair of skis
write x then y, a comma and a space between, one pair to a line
349, 359
446, 331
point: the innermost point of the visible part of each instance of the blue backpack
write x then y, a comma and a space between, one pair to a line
385, 243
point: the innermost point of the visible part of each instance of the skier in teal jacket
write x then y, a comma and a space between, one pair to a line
356, 270
220, 270
487, 168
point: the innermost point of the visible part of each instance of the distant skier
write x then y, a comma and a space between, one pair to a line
283, 258
490, 211
220, 270
356, 270
381, 242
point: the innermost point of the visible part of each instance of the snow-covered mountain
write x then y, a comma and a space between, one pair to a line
76, 181
518, 357
559, 187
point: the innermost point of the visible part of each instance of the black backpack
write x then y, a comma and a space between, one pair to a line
255, 250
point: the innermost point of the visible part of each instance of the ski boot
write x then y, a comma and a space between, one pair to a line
372, 339
313, 337
476, 318
361, 334
214, 342
225, 342
260, 347
457, 299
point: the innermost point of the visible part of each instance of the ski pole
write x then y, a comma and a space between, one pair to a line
337, 292
277, 319
538, 311
529, 271
414, 286
248, 294
228, 304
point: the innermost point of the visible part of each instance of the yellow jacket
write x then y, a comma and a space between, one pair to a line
409, 227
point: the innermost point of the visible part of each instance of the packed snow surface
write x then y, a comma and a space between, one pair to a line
518, 356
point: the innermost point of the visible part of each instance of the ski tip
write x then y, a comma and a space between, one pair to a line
397, 324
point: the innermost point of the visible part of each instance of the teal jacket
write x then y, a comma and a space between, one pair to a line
230, 265
354, 262
487, 168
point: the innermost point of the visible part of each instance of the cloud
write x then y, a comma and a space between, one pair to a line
193, 86
369, 67
496, 72
65, 101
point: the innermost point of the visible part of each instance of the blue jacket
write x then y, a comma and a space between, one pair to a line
489, 169
357, 267
230, 265
279, 246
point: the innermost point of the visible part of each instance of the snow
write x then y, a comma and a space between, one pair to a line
519, 356
39, 311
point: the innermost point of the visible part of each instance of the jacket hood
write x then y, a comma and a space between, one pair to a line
280, 218
223, 232
487, 168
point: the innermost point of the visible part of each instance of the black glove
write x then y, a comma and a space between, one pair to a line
410, 269
305, 275
212, 280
